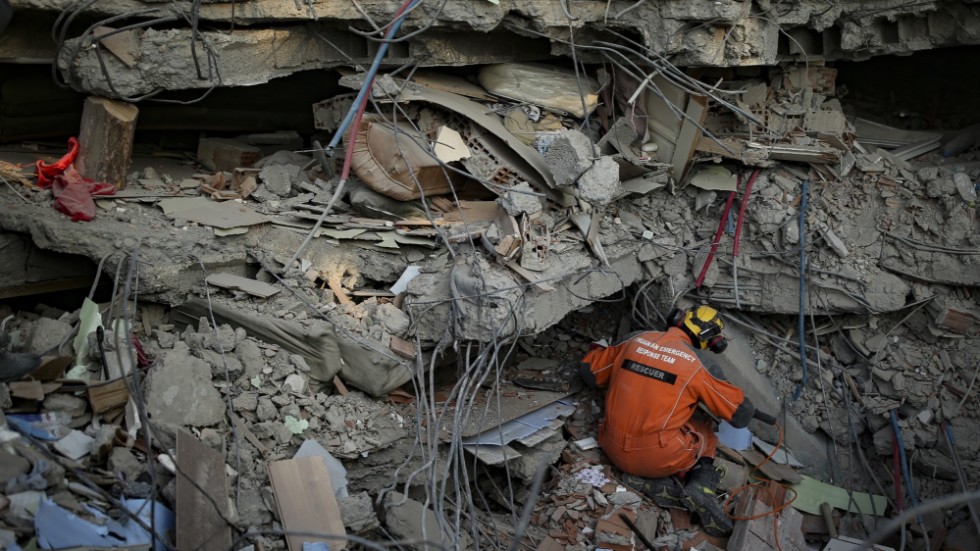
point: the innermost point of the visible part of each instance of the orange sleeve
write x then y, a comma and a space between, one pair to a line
601, 362
721, 397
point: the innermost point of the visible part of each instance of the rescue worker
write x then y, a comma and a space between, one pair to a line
650, 431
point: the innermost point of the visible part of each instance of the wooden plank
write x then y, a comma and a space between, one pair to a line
306, 501
26, 390
106, 140
405, 349
770, 469
202, 496
250, 436
108, 396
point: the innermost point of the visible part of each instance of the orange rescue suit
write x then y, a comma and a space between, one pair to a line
655, 382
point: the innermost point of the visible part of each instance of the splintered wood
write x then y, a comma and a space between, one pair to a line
306, 502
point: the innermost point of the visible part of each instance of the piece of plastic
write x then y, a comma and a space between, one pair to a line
553, 88
736, 439
58, 528
336, 470
50, 426
46, 172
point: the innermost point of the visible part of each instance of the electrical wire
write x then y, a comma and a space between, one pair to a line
738, 231
775, 508
716, 240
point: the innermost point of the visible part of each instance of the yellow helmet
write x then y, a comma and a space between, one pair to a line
703, 324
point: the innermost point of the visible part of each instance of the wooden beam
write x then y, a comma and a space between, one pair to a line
202, 496
306, 502
106, 139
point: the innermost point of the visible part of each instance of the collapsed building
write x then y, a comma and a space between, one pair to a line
311, 271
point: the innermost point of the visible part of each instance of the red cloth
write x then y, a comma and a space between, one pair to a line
46, 172
73, 194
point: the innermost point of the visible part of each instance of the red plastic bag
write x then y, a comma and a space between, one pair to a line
73, 194
46, 172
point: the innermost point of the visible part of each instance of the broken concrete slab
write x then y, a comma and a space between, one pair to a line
409, 520
179, 392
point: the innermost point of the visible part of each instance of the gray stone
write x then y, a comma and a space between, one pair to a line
251, 357
549, 450
218, 362
179, 391
247, 401
279, 178
599, 184
357, 512
123, 462
224, 340
394, 320
252, 510
272, 430
569, 156
407, 519
266, 410
165, 339
299, 362
46, 334
520, 199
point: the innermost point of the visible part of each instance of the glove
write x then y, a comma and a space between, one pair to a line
744, 414
598, 344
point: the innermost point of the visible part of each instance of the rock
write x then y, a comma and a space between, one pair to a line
394, 320
252, 510
520, 199
46, 334
600, 185
72, 405
295, 383
224, 340
179, 392
246, 401
405, 519
299, 362
266, 410
165, 339
357, 512
549, 450
218, 362
123, 462
251, 357
624, 498
272, 430
569, 156
279, 178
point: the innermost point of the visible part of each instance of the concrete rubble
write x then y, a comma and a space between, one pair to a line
254, 312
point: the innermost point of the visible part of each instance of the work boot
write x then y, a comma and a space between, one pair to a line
701, 499
15, 365
666, 492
